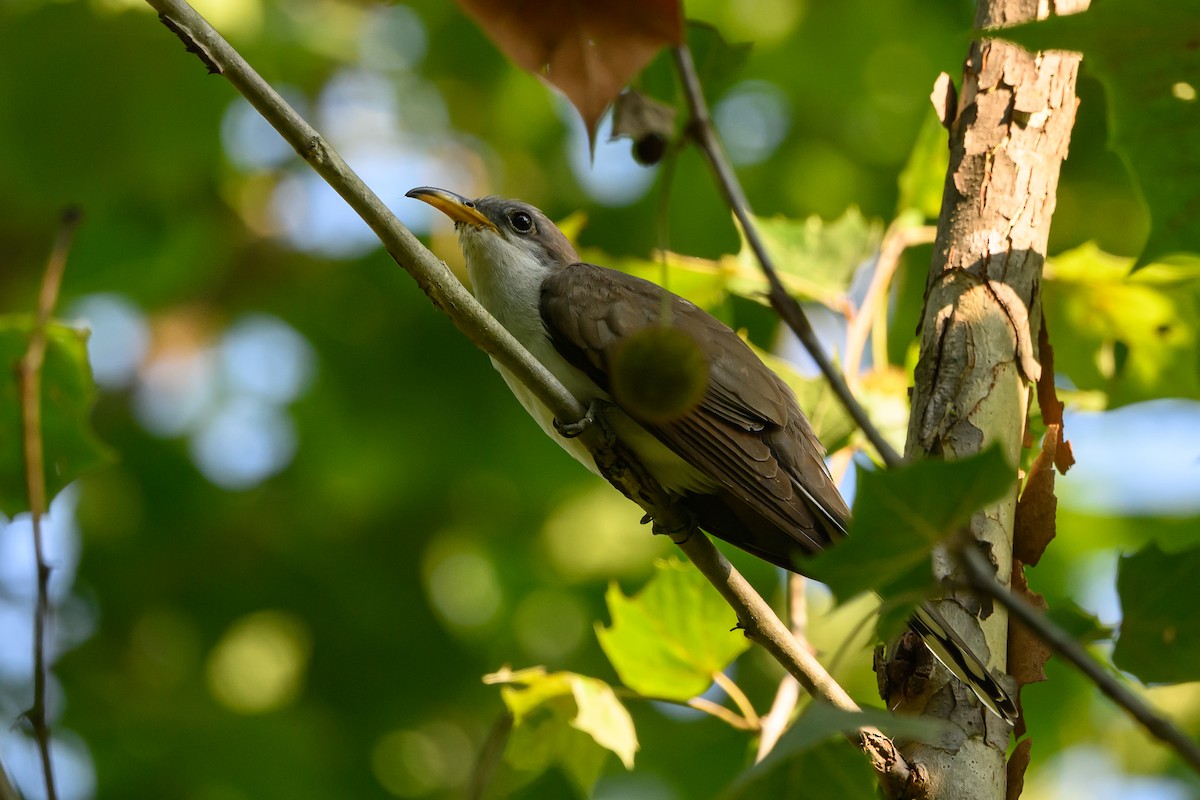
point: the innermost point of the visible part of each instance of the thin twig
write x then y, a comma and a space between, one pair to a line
982, 577
899, 237
704, 133
760, 624
35, 478
730, 687
704, 705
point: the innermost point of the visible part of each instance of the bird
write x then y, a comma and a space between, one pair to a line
742, 460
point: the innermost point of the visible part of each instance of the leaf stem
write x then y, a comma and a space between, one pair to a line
35, 478
730, 687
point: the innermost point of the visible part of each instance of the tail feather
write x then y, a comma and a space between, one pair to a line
956, 656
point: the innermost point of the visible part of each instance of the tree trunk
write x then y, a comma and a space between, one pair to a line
1008, 137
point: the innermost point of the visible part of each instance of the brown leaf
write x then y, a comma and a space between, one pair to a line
1027, 653
1048, 401
1033, 527
588, 50
1018, 762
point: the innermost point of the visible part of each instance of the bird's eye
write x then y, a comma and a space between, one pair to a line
520, 221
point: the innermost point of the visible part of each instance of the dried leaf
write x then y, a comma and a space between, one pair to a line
1018, 762
588, 51
1034, 526
1027, 653
1049, 403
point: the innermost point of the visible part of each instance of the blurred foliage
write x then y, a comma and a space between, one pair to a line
321, 630
1148, 61
672, 637
900, 516
1160, 636
69, 447
1131, 336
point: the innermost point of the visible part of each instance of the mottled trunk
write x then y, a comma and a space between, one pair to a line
1009, 134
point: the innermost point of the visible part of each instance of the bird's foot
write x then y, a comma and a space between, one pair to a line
680, 530
569, 430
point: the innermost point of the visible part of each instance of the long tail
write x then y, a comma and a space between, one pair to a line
956, 656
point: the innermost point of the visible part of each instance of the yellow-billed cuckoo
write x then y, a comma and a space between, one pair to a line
744, 461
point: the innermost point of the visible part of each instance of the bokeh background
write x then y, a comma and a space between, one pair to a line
327, 518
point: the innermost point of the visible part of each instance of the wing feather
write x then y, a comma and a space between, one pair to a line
748, 434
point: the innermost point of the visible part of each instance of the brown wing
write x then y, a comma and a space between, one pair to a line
747, 434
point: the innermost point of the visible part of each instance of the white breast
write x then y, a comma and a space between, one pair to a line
511, 291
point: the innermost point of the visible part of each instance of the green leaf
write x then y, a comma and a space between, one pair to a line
815, 259
1133, 337
564, 719
699, 280
69, 445
1160, 633
900, 515
1081, 625
809, 748
717, 60
924, 176
672, 637
1146, 57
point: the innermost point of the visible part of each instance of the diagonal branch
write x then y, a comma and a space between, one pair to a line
982, 577
756, 617
704, 133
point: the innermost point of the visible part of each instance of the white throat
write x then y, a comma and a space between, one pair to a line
507, 280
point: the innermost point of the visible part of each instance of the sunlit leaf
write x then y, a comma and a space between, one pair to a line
900, 515
1160, 633
1146, 57
1132, 336
924, 176
589, 51
815, 259
70, 447
566, 719
669, 639
699, 280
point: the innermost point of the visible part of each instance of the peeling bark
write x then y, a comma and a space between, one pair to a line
978, 354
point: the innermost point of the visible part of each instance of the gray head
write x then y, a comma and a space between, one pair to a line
497, 233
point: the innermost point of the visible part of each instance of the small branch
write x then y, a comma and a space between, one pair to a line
729, 717
763, 626
705, 135
35, 478
982, 578
730, 687
899, 237
434, 278
724, 714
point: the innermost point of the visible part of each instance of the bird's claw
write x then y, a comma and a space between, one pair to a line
569, 430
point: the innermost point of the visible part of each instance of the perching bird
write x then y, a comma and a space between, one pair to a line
742, 460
